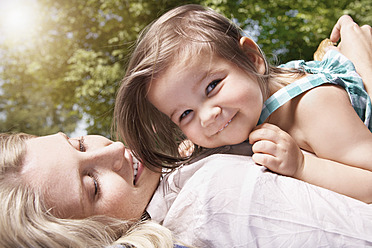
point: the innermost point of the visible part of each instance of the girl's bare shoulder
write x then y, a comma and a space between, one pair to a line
326, 97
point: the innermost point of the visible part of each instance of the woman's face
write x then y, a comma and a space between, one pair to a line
88, 176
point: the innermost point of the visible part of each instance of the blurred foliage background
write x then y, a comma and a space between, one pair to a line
64, 64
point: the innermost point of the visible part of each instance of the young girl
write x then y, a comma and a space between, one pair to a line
193, 75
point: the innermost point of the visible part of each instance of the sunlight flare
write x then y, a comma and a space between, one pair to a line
19, 19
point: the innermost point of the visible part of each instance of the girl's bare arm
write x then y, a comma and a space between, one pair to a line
334, 132
327, 125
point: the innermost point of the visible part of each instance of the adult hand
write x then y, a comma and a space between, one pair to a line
356, 45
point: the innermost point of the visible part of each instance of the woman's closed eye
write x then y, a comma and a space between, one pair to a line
95, 186
211, 86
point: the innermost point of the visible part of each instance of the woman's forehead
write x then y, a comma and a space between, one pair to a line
50, 168
46, 157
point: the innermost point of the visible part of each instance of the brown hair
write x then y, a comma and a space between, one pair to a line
186, 30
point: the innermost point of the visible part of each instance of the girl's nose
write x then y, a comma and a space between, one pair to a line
208, 115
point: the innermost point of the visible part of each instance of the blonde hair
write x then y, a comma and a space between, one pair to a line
186, 30
25, 221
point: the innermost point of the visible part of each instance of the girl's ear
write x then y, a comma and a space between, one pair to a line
252, 52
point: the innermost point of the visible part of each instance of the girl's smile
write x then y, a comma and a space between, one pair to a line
213, 101
225, 126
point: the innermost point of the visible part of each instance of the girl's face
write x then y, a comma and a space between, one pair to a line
213, 101
89, 176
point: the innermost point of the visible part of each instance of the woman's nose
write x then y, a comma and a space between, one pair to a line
208, 115
118, 151
105, 152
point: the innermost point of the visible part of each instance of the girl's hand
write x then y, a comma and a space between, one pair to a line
276, 150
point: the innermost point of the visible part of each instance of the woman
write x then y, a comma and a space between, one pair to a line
62, 192
54, 191
45, 177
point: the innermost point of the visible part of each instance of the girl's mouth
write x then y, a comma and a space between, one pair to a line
225, 125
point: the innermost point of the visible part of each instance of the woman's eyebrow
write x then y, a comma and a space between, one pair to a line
82, 193
83, 199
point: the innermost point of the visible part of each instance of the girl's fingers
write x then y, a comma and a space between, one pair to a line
268, 126
265, 132
266, 160
264, 146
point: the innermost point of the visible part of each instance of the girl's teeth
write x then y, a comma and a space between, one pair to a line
225, 126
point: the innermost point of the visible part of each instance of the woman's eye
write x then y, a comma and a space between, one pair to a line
82, 145
184, 114
95, 184
211, 86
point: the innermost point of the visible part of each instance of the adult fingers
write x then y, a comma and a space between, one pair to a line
366, 29
343, 21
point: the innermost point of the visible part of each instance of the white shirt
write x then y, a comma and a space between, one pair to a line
229, 201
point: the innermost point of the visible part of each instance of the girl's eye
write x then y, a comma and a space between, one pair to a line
184, 114
81, 144
211, 86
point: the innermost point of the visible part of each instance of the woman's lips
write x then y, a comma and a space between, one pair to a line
137, 170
